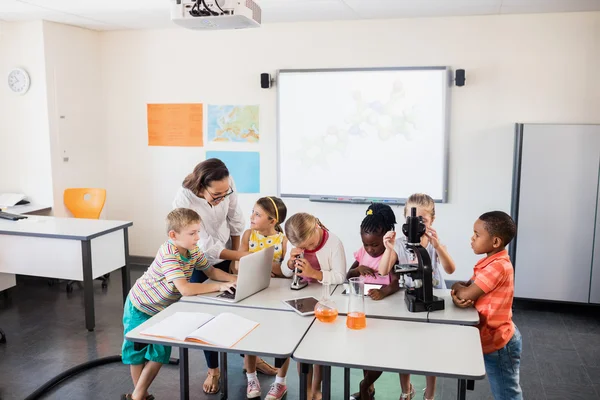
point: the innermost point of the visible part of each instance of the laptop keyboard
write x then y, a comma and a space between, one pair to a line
227, 295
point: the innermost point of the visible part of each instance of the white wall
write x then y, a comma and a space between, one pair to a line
520, 68
24, 138
76, 109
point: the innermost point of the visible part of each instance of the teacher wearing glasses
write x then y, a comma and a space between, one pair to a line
210, 191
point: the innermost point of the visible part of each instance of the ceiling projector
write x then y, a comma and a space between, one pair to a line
215, 14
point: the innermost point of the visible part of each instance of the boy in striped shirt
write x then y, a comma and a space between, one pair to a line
491, 290
165, 281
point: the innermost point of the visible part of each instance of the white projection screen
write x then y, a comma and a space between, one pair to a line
379, 133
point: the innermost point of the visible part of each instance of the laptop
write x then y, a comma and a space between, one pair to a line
254, 275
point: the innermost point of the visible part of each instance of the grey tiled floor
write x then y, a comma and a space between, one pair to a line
46, 335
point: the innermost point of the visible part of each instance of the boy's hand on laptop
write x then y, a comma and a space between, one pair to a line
226, 287
389, 239
460, 303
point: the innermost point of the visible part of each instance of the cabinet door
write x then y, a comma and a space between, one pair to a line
595, 283
557, 208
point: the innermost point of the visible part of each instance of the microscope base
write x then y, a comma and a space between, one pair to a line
298, 286
416, 305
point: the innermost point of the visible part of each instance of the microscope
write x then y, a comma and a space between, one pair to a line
297, 282
419, 298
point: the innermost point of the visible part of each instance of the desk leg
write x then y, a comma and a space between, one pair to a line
184, 374
346, 383
304, 370
326, 374
223, 360
88, 285
461, 393
125, 272
470, 384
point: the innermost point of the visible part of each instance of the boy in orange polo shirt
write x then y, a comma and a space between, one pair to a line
491, 290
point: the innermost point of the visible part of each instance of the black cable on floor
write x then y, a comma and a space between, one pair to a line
39, 392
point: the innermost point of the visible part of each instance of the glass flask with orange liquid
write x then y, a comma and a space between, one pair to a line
326, 309
356, 318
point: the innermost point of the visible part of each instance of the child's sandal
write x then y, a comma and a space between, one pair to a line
409, 395
127, 396
356, 396
425, 398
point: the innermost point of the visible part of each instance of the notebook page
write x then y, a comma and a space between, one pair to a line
178, 325
224, 330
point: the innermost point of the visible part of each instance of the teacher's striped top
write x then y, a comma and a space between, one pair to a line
154, 291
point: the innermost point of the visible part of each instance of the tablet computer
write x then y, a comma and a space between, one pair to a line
303, 306
368, 286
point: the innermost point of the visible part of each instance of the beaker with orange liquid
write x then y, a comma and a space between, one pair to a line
356, 318
326, 309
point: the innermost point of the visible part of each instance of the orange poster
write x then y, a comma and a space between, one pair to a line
175, 125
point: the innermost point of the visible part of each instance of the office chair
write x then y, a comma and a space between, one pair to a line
85, 203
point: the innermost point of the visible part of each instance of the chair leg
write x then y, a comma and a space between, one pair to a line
2, 336
104, 278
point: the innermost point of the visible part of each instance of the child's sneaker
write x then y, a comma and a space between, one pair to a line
253, 389
276, 392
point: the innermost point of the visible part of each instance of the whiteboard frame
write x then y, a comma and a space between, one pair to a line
368, 199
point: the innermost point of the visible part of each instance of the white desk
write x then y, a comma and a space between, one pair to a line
289, 328
394, 307
9, 280
270, 298
66, 248
450, 351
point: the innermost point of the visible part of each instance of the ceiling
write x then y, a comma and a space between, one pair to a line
152, 14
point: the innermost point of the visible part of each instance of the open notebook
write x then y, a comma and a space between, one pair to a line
224, 330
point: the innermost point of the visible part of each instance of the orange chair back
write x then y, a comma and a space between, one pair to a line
85, 202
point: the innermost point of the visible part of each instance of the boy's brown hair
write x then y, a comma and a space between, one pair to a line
180, 218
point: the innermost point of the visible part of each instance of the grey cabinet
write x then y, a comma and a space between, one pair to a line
556, 252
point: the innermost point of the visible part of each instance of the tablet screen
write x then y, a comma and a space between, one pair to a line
305, 305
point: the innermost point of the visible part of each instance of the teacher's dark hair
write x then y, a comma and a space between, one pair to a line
204, 174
